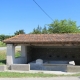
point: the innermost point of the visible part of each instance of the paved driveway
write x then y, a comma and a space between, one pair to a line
54, 78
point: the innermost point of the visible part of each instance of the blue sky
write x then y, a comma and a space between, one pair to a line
26, 15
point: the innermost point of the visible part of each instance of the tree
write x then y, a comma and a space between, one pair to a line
63, 26
19, 32
38, 30
2, 37
44, 30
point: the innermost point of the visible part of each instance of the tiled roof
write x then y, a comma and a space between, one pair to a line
44, 38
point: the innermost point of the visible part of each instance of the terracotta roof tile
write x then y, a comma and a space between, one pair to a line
42, 38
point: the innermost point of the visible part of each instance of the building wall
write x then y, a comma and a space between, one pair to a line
20, 60
52, 53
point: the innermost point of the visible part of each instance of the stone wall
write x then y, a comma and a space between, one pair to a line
20, 67
48, 67
3, 67
71, 68
52, 53
20, 60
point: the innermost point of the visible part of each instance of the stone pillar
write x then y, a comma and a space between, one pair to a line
23, 54
10, 54
23, 51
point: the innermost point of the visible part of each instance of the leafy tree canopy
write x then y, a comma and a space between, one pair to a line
2, 37
63, 26
38, 30
19, 32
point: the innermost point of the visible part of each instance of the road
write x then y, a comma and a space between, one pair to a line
54, 78
4, 48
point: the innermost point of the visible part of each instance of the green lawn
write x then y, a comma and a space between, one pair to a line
2, 44
18, 75
3, 56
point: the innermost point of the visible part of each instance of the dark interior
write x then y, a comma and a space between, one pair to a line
54, 53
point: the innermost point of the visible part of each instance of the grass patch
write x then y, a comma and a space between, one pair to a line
3, 56
2, 44
19, 75
17, 54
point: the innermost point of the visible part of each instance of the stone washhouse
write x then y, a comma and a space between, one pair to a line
47, 52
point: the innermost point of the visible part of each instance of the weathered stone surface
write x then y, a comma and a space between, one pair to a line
56, 67
2, 67
39, 61
56, 62
10, 54
20, 60
48, 67
71, 68
20, 67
